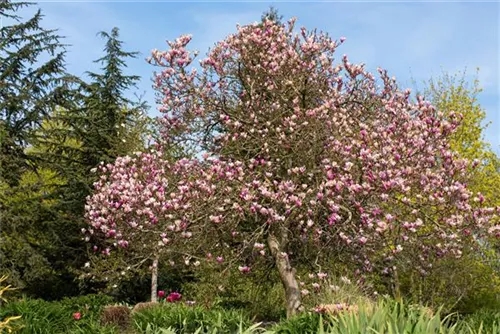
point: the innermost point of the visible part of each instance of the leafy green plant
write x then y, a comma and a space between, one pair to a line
458, 285
389, 317
305, 323
189, 319
481, 322
152, 329
264, 302
39, 316
7, 324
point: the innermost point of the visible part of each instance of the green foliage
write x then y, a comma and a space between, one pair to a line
39, 316
29, 87
388, 317
487, 320
384, 316
33, 234
107, 112
462, 285
452, 93
51, 139
304, 323
272, 14
190, 319
33, 83
234, 291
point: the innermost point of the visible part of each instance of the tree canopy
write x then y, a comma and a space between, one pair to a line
305, 159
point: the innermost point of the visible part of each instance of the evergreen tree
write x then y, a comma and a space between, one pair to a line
273, 15
33, 82
28, 85
104, 122
55, 128
107, 108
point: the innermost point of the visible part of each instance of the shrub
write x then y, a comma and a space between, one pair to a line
305, 323
264, 302
116, 315
462, 285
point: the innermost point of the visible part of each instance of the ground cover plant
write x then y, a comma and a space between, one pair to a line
382, 316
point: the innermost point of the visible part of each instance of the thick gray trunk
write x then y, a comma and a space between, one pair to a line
154, 280
287, 275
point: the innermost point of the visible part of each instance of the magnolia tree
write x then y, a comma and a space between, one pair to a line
303, 158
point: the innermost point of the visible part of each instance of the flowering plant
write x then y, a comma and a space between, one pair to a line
173, 297
303, 158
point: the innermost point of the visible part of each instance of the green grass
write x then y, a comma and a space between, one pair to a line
384, 316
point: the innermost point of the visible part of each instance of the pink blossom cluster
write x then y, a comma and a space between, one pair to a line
298, 146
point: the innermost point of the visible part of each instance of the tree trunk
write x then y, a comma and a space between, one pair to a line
154, 280
396, 287
287, 274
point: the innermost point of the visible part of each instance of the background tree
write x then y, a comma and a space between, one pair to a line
272, 14
306, 160
28, 87
102, 118
105, 123
55, 128
32, 84
453, 94
445, 284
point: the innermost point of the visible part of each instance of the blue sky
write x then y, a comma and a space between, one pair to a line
412, 40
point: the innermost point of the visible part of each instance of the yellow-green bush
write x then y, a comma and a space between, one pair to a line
463, 285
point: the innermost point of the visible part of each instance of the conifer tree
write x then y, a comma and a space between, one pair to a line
28, 86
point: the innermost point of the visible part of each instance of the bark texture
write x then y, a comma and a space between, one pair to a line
286, 273
154, 280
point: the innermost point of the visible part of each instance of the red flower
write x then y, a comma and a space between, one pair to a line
77, 315
173, 297
161, 294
